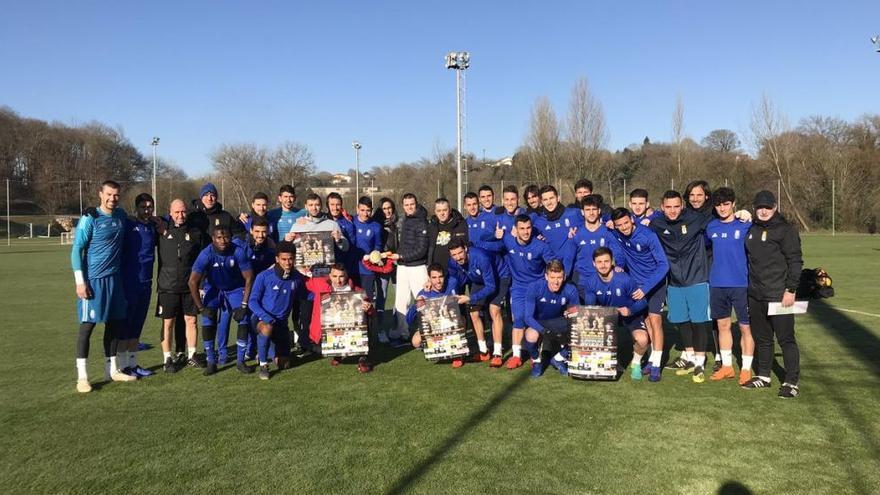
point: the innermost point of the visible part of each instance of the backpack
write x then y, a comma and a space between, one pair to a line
815, 283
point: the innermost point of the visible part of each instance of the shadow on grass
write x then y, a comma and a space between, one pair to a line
854, 336
734, 488
463, 430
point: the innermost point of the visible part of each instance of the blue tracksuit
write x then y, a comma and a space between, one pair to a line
730, 266
97, 254
367, 238
542, 304
480, 273
645, 259
271, 301
138, 255
250, 221
616, 293
555, 228
261, 257
584, 242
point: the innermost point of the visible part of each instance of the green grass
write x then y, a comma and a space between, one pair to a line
416, 427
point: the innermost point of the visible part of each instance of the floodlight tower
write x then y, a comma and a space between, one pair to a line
357, 169
876, 40
155, 143
459, 62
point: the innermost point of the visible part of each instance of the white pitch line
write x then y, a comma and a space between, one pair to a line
856, 312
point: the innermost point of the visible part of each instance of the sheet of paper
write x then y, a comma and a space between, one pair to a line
798, 307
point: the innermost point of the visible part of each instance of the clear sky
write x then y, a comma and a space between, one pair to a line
199, 74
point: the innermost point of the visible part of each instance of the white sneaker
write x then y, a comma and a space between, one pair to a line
83, 386
119, 376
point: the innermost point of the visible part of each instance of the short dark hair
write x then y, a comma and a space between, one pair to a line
548, 188
523, 218
409, 196
583, 183
313, 197
618, 213
334, 195
339, 267
530, 190
366, 201
143, 197
436, 267
220, 228
485, 187
639, 193
591, 200
259, 222
285, 247
286, 188
602, 250
670, 194
112, 184
723, 195
260, 195
554, 266
441, 200
510, 189
471, 195
456, 243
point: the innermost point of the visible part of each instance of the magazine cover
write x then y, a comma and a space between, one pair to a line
593, 343
343, 325
442, 329
314, 248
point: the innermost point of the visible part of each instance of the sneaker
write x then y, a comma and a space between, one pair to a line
537, 370
685, 369
264, 372
180, 359
83, 386
457, 363
120, 376
717, 366
170, 366
723, 373
514, 363
383, 338
480, 357
646, 369
130, 372
197, 361
560, 365
744, 376
364, 366
788, 391
756, 382
496, 362
244, 367
677, 364
296, 349
654, 374
699, 375
143, 372
210, 369
635, 372
335, 361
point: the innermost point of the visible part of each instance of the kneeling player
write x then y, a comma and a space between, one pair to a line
605, 287
545, 304
438, 286
271, 301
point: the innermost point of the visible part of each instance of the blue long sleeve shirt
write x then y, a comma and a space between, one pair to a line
584, 242
367, 238
544, 304
272, 296
730, 265
223, 270
281, 222
616, 292
645, 258
555, 230
526, 261
262, 257
138, 252
480, 269
98, 243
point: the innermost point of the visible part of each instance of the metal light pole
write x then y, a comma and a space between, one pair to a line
154, 144
876, 40
357, 169
458, 61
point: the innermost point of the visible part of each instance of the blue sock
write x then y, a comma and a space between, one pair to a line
272, 350
210, 353
252, 345
263, 348
532, 349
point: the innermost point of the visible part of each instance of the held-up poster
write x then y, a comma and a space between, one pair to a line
314, 253
593, 343
442, 328
343, 325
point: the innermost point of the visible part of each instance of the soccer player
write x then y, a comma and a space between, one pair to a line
605, 286
228, 280
582, 189
271, 301
648, 266
640, 205
555, 220
337, 213
412, 259
207, 214
259, 209
472, 214
96, 258
477, 269
179, 245
588, 237
446, 224
775, 264
526, 257
532, 197
546, 301
367, 238
138, 255
485, 232
260, 249
728, 284
440, 285
284, 217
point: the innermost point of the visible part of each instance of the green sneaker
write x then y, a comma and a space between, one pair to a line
699, 376
686, 369
635, 371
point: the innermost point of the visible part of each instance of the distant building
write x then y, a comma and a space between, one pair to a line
339, 179
504, 162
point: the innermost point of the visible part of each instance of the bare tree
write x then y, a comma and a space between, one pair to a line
291, 163
678, 134
586, 133
543, 142
244, 168
722, 141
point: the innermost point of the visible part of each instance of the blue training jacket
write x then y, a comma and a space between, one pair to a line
272, 295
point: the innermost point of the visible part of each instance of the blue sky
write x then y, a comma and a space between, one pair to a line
199, 74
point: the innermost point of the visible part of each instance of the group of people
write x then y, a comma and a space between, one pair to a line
697, 255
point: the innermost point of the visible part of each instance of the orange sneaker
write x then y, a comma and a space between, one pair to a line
722, 373
514, 363
480, 357
457, 363
335, 361
744, 376
496, 362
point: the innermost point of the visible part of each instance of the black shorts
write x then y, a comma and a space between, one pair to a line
170, 305
502, 291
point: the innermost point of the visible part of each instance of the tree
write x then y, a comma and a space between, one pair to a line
721, 141
543, 142
586, 132
678, 134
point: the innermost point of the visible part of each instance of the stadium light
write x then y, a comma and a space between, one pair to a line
876, 40
458, 61
357, 168
154, 144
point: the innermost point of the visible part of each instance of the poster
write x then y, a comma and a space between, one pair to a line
442, 329
343, 325
314, 248
593, 343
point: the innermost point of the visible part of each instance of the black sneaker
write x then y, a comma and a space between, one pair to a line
679, 364
244, 368
170, 366
756, 382
210, 369
197, 361
717, 366
264, 372
788, 391
180, 360
296, 349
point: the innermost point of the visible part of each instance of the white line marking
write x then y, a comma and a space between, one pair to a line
856, 312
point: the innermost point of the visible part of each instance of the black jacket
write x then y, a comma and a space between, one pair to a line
684, 243
413, 239
439, 235
775, 260
206, 220
178, 249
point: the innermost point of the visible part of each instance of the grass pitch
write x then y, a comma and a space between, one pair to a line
411, 426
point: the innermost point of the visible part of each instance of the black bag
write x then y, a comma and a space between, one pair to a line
815, 283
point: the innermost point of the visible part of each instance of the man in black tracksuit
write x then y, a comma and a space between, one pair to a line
179, 245
445, 225
775, 264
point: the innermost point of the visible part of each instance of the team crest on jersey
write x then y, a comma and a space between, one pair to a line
639, 247
684, 229
563, 301
764, 236
185, 237
478, 272
567, 223
602, 242
529, 256
231, 261
617, 291
216, 221
736, 234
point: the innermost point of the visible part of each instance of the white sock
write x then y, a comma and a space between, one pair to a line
81, 372
190, 352
264, 363
538, 360
559, 357
718, 357
726, 357
166, 356
656, 357
112, 364
699, 360
517, 350
482, 345
688, 355
747, 362
496, 348
637, 359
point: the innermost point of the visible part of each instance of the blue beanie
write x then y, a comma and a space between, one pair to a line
208, 188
